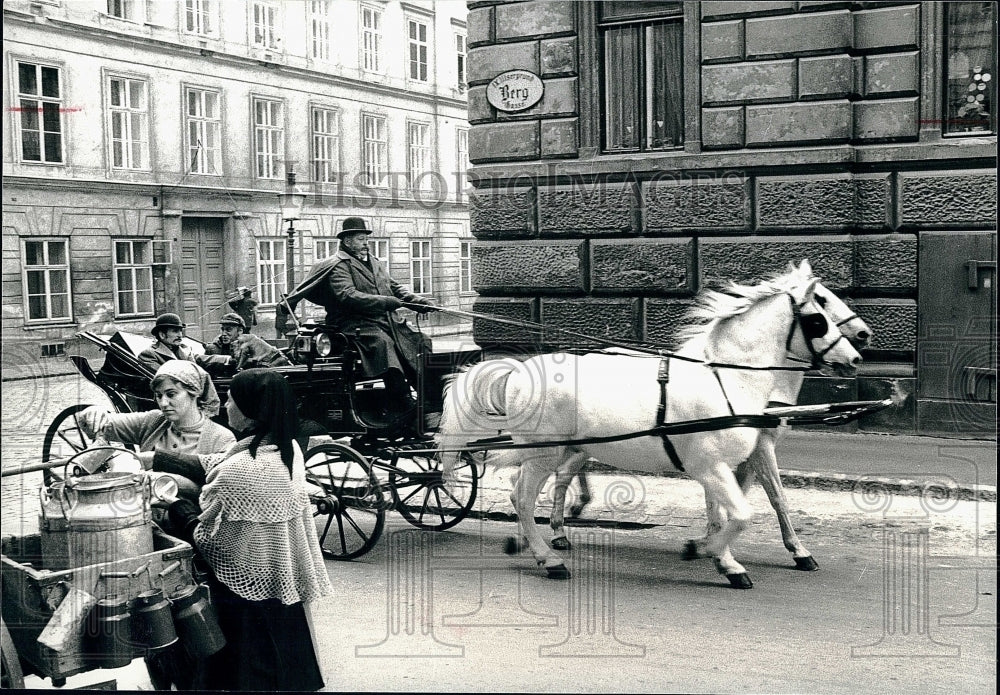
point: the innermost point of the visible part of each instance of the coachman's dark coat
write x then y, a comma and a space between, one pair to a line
360, 298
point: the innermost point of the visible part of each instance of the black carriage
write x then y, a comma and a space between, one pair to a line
364, 458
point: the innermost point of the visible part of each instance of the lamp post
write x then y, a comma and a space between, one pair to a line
291, 202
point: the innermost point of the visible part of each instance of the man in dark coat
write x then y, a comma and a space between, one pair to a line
361, 301
245, 306
230, 328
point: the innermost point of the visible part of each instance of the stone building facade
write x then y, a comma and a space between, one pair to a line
145, 144
678, 145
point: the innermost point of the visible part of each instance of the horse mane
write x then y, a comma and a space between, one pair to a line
712, 306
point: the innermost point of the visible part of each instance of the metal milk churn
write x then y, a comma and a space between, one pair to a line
94, 519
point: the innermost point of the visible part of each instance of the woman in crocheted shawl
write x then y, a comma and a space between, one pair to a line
256, 530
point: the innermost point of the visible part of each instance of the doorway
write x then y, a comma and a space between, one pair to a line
203, 298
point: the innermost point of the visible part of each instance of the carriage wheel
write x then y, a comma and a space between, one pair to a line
348, 501
65, 437
11, 675
424, 498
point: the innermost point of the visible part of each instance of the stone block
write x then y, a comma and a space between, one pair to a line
886, 119
783, 124
755, 259
486, 62
813, 202
797, 34
893, 323
559, 137
948, 199
885, 262
517, 309
587, 208
873, 201
558, 56
552, 266
887, 27
613, 319
559, 99
710, 203
510, 212
826, 76
899, 419
480, 110
534, 18
722, 128
758, 81
897, 73
722, 40
664, 319
657, 266
479, 26
499, 142
725, 8
957, 417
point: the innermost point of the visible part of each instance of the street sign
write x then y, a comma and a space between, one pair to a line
515, 90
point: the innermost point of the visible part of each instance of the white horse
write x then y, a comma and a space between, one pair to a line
762, 463
722, 368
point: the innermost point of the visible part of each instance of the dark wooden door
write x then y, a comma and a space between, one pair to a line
202, 295
957, 340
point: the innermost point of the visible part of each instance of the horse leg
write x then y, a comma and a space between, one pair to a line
721, 488
765, 463
534, 471
584, 499
564, 476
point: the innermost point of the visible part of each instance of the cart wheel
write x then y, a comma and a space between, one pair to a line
421, 494
64, 438
10, 673
348, 501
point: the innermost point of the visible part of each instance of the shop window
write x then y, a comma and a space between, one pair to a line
970, 73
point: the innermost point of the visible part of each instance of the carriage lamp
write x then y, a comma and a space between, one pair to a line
291, 202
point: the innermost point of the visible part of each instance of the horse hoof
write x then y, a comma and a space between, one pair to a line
557, 572
690, 551
561, 543
806, 564
740, 581
575, 511
511, 546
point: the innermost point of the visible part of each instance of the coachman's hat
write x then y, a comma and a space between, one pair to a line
232, 320
167, 321
353, 225
243, 289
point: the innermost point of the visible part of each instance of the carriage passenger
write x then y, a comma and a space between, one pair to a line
361, 300
171, 438
255, 529
169, 345
231, 327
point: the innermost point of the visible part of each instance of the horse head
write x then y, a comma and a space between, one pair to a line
843, 316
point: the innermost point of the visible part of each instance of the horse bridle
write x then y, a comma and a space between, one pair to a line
813, 326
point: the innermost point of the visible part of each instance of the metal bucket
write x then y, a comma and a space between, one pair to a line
94, 519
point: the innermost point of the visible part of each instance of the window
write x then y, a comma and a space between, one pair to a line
324, 248
462, 157
269, 138
379, 248
420, 266
198, 17
417, 33
374, 153
123, 9
971, 70
371, 39
418, 137
129, 124
326, 145
40, 101
270, 269
643, 75
204, 131
265, 25
465, 266
133, 277
319, 29
46, 279
460, 54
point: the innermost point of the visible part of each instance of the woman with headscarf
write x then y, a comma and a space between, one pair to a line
171, 438
256, 530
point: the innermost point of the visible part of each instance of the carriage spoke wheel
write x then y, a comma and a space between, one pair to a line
348, 504
425, 498
65, 438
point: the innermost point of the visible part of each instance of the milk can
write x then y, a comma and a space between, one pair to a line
94, 519
196, 622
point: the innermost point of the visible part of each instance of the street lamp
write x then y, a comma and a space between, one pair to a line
291, 202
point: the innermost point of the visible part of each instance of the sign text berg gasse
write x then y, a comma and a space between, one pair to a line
515, 90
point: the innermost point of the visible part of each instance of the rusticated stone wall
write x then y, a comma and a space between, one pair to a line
805, 138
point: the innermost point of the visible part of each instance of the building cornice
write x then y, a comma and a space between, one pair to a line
173, 48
